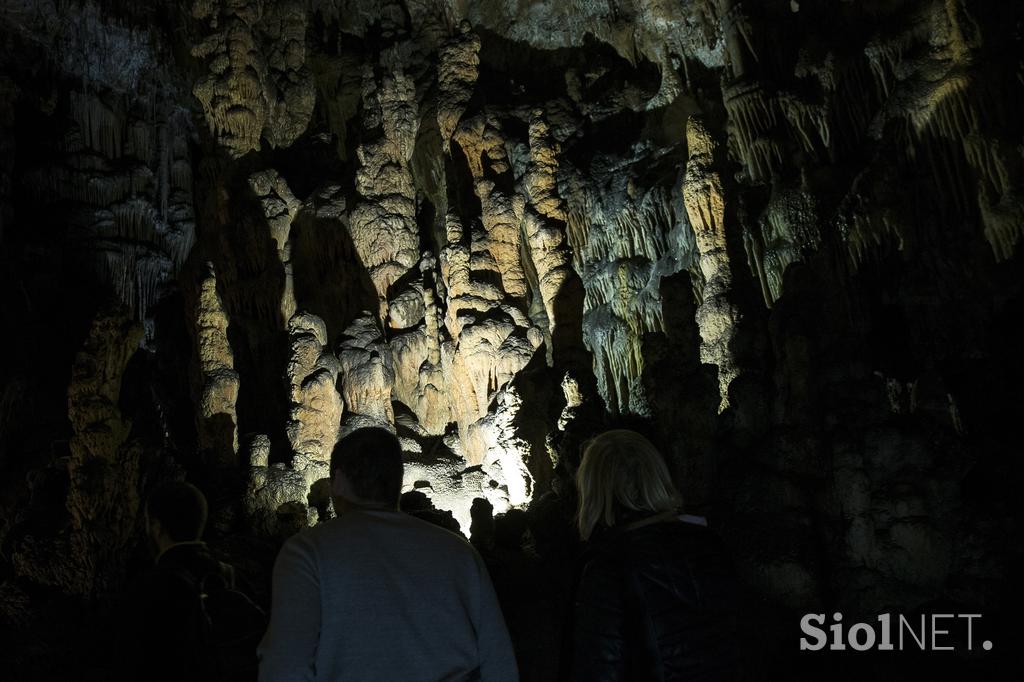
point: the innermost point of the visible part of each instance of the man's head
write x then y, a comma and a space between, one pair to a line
366, 470
175, 512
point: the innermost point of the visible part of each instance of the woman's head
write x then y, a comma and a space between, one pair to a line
621, 470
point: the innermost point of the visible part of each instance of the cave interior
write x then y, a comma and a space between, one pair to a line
781, 238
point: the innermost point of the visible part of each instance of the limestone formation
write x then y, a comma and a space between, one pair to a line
218, 434
280, 207
383, 223
275, 490
704, 198
489, 339
233, 92
787, 230
103, 496
404, 201
312, 378
291, 93
544, 227
367, 375
257, 83
458, 64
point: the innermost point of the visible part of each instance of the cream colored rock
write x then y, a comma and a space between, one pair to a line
291, 92
383, 223
233, 92
705, 205
459, 63
279, 206
257, 83
316, 406
367, 376
544, 226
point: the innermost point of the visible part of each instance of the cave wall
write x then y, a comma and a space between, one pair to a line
782, 235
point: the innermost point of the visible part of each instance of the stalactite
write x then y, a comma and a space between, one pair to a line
1003, 221
753, 115
233, 93
544, 228
459, 62
291, 92
705, 205
101, 127
383, 223
788, 228
279, 206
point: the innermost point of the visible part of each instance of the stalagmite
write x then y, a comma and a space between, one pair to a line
103, 497
420, 382
273, 491
218, 436
316, 406
490, 338
367, 375
481, 138
705, 205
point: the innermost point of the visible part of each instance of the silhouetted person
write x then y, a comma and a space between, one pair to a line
376, 594
162, 635
656, 599
416, 503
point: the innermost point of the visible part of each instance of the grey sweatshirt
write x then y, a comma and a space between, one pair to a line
379, 595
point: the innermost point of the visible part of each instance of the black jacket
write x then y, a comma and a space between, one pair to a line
656, 600
160, 635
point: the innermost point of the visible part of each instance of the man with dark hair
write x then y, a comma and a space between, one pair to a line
175, 515
375, 594
165, 631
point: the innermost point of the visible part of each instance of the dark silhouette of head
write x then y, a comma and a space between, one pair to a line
176, 511
366, 469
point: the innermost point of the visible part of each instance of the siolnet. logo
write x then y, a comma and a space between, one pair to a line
932, 632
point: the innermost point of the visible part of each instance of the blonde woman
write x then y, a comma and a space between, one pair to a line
656, 598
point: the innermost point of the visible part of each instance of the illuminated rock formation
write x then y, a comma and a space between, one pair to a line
218, 435
233, 92
312, 375
367, 375
257, 83
383, 223
280, 207
458, 64
497, 228
705, 205
544, 229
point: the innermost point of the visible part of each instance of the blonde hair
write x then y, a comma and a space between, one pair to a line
623, 469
